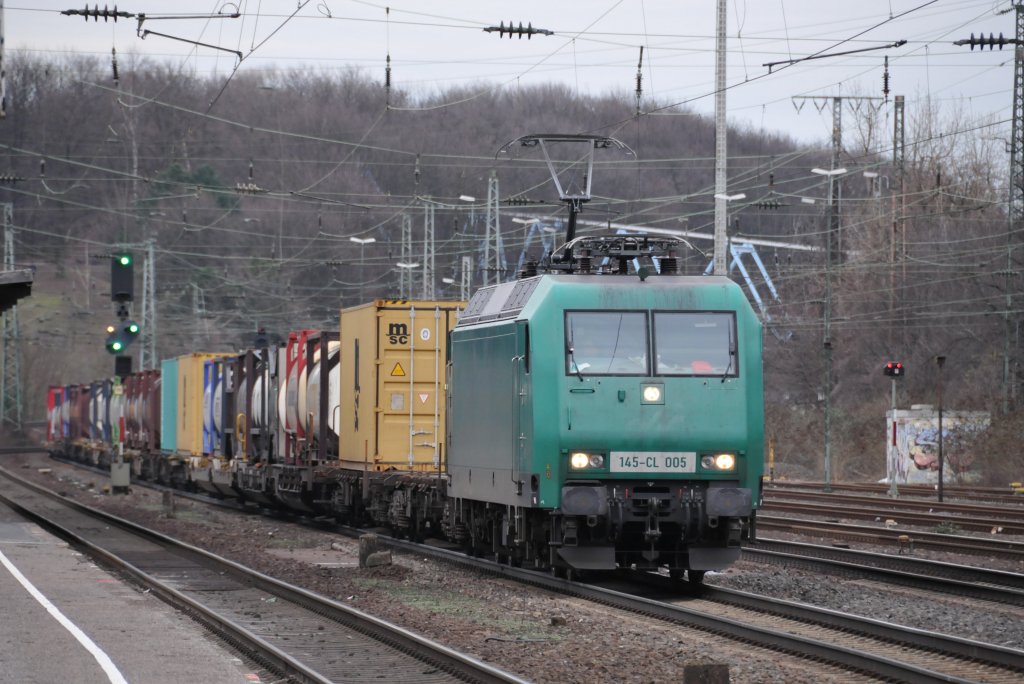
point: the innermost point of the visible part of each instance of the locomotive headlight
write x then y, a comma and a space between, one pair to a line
652, 393
725, 461
718, 462
581, 460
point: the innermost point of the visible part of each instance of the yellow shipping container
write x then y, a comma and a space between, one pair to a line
190, 402
393, 358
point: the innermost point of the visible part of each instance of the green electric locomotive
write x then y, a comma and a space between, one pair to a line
606, 415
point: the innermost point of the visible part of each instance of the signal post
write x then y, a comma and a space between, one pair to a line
119, 336
895, 370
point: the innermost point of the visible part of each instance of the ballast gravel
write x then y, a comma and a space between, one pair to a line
535, 634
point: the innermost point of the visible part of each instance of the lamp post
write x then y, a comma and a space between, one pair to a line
940, 361
406, 268
362, 242
448, 282
826, 337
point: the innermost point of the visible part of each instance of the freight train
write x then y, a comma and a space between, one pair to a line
605, 413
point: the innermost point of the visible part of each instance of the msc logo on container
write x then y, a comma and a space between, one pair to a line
398, 333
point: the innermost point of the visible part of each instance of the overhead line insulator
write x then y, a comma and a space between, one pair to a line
885, 79
248, 189
519, 200
529, 31
96, 13
981, 41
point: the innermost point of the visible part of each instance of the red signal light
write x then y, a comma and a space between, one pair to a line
894, 369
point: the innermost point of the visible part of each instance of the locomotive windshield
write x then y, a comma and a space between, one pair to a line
617, 343
695, 344
606, 343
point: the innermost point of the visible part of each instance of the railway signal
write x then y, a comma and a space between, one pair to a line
121, 335
894, 369
122, 278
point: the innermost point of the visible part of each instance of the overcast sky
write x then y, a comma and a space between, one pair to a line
595, 48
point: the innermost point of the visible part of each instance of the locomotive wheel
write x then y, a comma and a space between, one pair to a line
577, 575
695, 577
675, 574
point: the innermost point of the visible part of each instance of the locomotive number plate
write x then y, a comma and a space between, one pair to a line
653, 462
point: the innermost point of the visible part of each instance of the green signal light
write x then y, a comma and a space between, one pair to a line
124, 260
133, 328
116, 346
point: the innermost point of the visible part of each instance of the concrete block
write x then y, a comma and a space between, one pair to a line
705, 673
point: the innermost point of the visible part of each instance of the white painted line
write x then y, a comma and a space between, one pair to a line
113, 674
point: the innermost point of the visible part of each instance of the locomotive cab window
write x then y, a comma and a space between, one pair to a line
695, 343
606, 343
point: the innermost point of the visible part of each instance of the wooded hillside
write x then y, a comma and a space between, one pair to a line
251, 192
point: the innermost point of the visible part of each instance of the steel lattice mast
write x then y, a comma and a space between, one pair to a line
1015, 200
405, 275
147, 353
721, 218
10, 392
494, 248
428, 251
1015, 208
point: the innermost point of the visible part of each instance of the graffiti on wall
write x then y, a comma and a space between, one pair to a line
912, 444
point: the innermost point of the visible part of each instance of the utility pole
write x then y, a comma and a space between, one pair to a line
1015, 207
940, 361
492, 235
10, 392
405, 275
898, 239
833, 249
721, 216
3, 67
199, 314
837, 102
832, 219
1015, 210
428, 250
147, 353
362, 242
466, 278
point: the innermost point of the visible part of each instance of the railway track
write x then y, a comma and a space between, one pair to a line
866, 647
948, 657
302, 636
894, 536
860, 645
1001, 495
947, 578
963, 516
